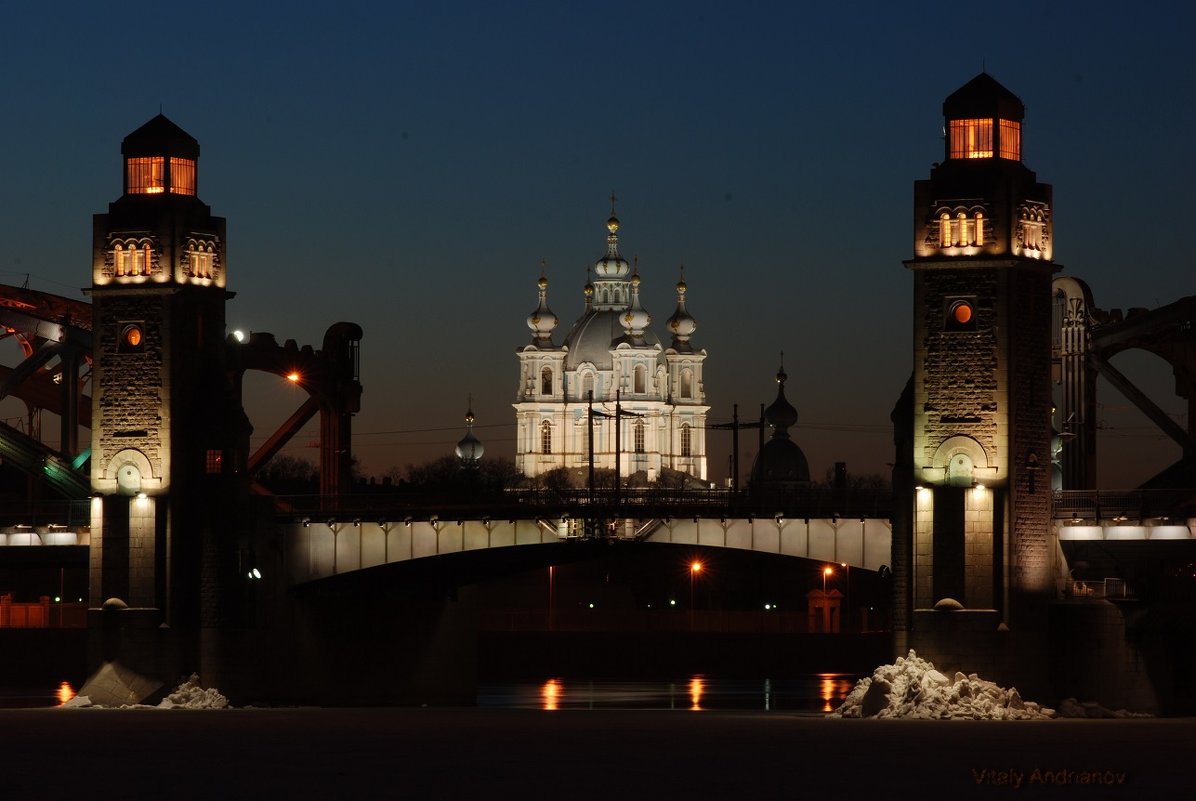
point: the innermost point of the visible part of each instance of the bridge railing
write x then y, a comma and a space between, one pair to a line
468, 503
1096, 505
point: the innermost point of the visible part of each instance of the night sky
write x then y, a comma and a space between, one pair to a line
406, 166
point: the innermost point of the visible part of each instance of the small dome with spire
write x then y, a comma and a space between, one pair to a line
542, 321
469, 449
636, 319
780, 462
612, 265
682, 323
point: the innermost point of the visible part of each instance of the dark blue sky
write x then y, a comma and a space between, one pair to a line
407, 165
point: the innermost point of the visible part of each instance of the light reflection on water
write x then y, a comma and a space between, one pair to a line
27, 697
819, 693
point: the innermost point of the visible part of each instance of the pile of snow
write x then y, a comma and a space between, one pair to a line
912, 688
1071, 708
189, 695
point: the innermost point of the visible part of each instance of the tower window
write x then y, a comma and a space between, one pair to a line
641, 379
546, 437
945, 230
132, 339
201, 259
546, 381
213, 462
1011, 140
961, 315
639, 436
146, 175
687, 382
182, 176
587, 385
686, 439
132, 259
971, 139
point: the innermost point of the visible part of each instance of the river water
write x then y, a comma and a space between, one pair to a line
814, 694
818, 693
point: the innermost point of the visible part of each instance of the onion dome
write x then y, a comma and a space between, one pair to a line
636, 319
612, 265
682, 324
780, 462
781, 414
542, 321
469, 449
588, 291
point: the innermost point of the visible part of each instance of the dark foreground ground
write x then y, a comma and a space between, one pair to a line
580, 754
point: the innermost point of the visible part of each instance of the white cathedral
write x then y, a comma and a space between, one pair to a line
654, 394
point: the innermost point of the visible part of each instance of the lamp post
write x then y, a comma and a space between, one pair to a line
846, 586
695, 568
826, 571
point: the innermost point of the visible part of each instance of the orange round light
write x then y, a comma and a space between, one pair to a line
133, 336
962, 312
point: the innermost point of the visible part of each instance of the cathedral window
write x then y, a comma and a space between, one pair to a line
146, 176
641, 379
587, 385
546, 437
546, 381
687, 382
182, 176
686, 439
639, 436
971, 139
1011, 140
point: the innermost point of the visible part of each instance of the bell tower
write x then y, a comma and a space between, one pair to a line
164, 449
981, 393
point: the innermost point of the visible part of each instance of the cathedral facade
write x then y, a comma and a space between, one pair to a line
611, 395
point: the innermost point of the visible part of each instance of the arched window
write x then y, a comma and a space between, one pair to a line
979, 228
546, 381
964, 233
641, 379
639, 436
687, 382
945, 230
546, 437
587, 385
201, 258
133, 259
686, 439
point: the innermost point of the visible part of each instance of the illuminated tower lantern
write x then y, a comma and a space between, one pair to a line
162, 453
981, 393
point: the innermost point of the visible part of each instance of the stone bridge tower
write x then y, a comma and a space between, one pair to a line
977, 458
165, 452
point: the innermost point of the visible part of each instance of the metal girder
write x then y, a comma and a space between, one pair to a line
1139, 399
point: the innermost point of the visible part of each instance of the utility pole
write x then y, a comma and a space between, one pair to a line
734, 426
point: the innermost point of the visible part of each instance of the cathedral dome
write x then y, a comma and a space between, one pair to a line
595, 334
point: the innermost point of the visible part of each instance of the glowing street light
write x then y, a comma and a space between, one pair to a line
695, 567
826, 571
293, 377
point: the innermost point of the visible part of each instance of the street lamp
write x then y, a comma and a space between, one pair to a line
695, 567
826, 571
